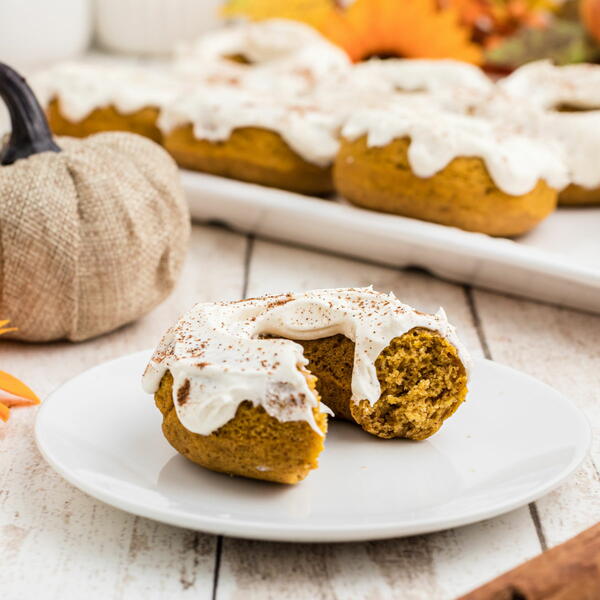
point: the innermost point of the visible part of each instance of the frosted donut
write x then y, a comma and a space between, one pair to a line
240, 384
253, 138
567, 88
272, 55
452, 169
577, 133
86, 98
422, 75
449, 84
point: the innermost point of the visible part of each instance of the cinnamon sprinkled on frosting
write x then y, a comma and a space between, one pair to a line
219, 355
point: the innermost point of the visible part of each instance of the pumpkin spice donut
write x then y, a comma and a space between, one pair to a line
86, 98
275, 55
244, 387
253, 138
571, 95
448, 168
422, 75
569, 88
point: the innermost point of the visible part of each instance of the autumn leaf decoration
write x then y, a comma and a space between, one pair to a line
12, 391
369, 28
493, 21
468, 30
415, 29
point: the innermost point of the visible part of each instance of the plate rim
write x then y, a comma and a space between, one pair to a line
249, 529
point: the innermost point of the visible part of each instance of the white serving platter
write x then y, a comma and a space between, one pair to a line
512, 441
558, 262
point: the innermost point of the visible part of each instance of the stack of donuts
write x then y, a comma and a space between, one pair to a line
274, 103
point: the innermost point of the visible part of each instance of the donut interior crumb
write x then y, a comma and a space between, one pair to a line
422, 380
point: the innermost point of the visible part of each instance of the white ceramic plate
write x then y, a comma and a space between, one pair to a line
557, 262
514, 440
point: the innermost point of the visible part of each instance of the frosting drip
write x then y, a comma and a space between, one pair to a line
573, 136
309, 131
514, 161
83, 87
219, 357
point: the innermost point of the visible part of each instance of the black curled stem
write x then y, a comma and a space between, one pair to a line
30, 131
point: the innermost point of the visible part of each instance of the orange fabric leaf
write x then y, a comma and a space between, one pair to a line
4, 328
20, 394
15, 387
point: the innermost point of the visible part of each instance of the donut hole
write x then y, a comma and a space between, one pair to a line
565, 107
382, 55
423, 382
239, 58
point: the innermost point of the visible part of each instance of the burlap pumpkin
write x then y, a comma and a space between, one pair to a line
93, 233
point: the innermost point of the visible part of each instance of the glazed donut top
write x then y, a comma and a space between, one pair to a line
309, 131
84, 87
548, 86
218, 355
282, 55
515, 162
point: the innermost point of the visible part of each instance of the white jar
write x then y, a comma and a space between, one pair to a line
153, 26
34, 33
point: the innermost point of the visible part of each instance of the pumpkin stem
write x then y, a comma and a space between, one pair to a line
30, 131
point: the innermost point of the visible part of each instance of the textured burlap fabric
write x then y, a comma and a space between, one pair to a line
90, 238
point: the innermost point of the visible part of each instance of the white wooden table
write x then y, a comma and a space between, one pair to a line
55, 542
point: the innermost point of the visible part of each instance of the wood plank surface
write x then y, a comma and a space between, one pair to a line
428, 567
562, 348
56, 542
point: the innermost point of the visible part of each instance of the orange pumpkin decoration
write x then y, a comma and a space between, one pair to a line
590, 15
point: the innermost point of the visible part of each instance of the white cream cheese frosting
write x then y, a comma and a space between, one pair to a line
422, 75
573, 135
514, 161
284, 56
576, 133
548, 86
215, 113
219, 358
579, 134
82, 87
449, 84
